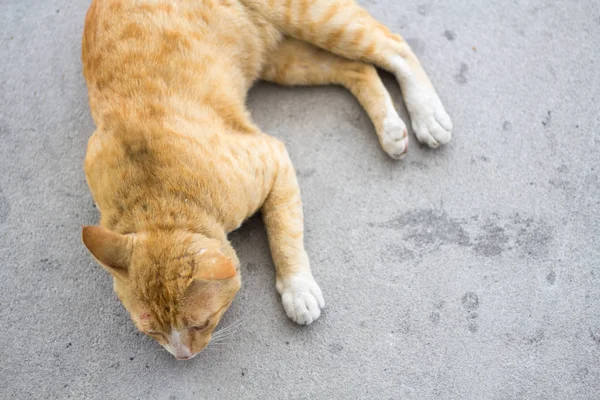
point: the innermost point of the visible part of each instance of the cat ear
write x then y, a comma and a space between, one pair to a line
214, 265
111, 249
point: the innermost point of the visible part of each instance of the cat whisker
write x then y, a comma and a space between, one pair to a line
233, 326
226, 336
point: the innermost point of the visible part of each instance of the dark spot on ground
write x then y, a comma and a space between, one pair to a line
307, 173
4, 207
244, 371
473, 327
395, 253
470, 301
461, 76
537, 338
547, 119
335, 348
428, 227
507, 126
582, 373
551, 277
533, 236
287, 342
595, 337
449, 35
131, 358
434, 317
492, 242
424, 9
68, 345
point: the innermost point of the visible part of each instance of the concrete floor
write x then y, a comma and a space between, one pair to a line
470, 272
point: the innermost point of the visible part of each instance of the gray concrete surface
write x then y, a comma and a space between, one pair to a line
470, 272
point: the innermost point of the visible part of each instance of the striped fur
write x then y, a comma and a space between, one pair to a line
176, 162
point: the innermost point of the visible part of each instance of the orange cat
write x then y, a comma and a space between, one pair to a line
176, 162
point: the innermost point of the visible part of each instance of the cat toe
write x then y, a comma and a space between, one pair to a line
394, 138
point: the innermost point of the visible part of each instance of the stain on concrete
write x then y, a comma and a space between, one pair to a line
595, 335
449, 35
551, 277
537, 338
470, 302
461, 76
473, 328
396, 253
4, 207
532, 236
507, 126
562, 184
306, 173
492, 242
335, 348
547, 119
424, 9
434, 317
428, 227
431, 228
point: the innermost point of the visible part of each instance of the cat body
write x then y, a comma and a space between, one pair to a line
176, 162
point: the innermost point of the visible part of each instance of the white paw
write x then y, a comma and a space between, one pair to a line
301, 297
430, 122
394, 139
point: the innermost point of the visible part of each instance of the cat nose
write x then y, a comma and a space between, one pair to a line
183, 353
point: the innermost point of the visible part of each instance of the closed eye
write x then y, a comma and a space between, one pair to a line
201, 327
156, 334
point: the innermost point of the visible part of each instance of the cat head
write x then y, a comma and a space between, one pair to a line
176, 285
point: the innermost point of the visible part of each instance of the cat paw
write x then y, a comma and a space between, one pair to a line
394, 138
430, 122
301, 297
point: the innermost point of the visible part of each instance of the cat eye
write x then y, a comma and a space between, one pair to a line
201, 327
156, 334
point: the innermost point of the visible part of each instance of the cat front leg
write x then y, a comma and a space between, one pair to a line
282, 213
